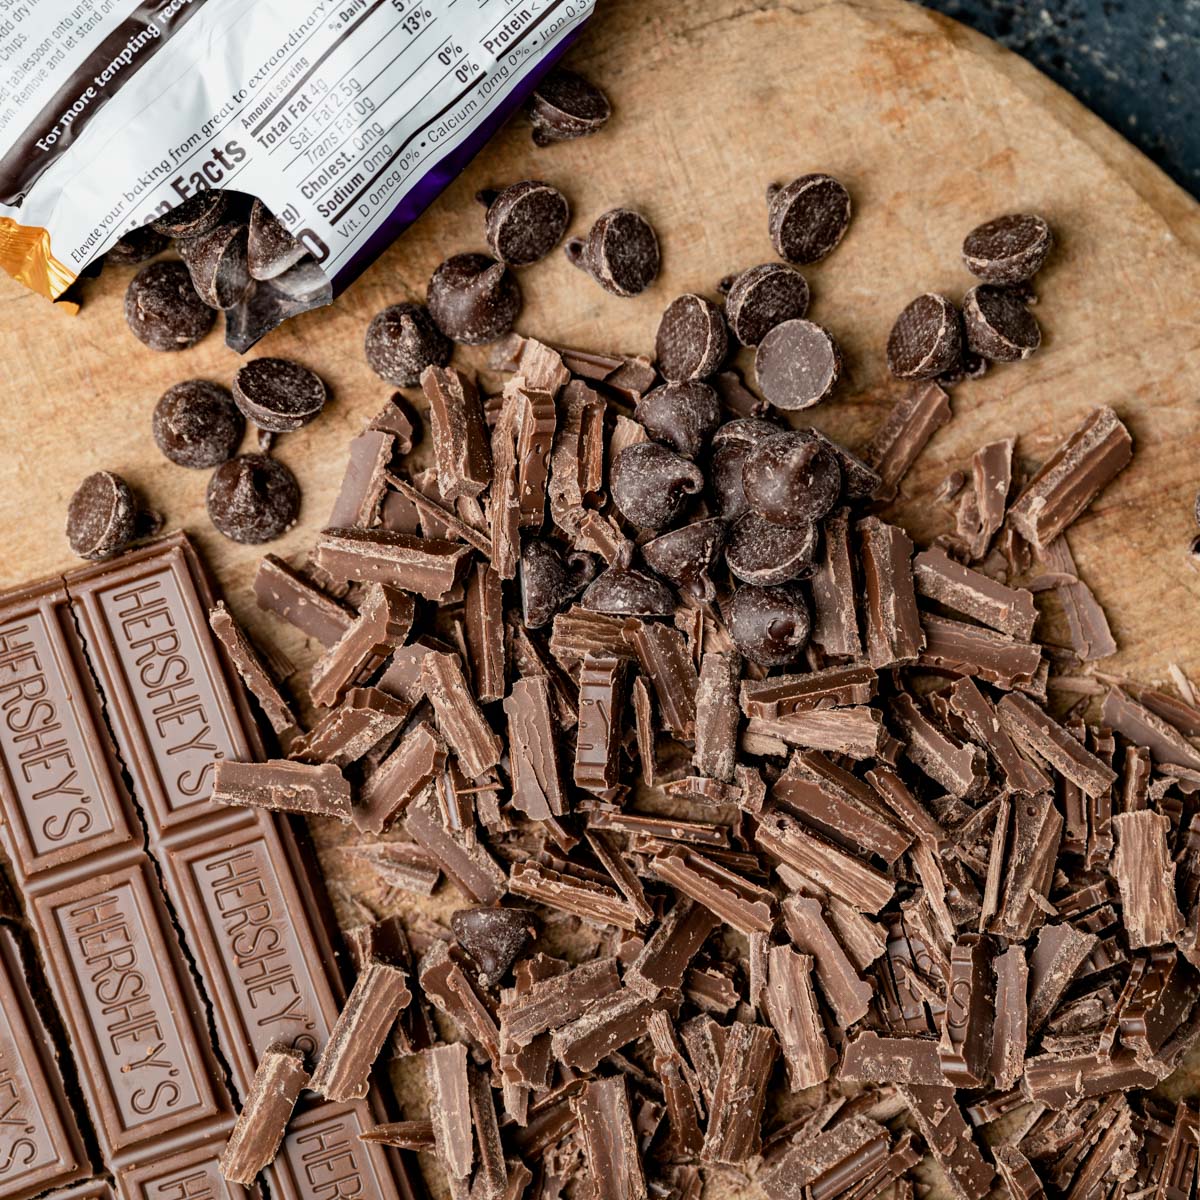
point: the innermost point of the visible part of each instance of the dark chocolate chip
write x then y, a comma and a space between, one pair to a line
217, 263
196, 215
622, 592
999, 326
685, 556
253, 498
196, 424
692, 340
792, 479
102, 516
278, 394
731, 444
769, 625
270, 250
525, 222
493, 937
796, 365
926, 340
763, 297
473, 299
402, 341
620, 252
651, 484
137, 246
684, 415
760, 552
564, 106
163, 309
807, 218
548, 582
1008, 249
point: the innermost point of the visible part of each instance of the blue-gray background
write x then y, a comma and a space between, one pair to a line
1134, 62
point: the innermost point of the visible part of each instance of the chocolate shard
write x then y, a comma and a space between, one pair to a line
1028, 866
578, 633
1010, 1026
716, 721
430, 567
254, 672
643, 727
835, 616
258, 1133
535, 419
408, 508
949, 1137
1056, 959
830, 1163
991, 476
403, 865
450, 1090
485, 632
981, 719
870, 1057
832, 687
606, 1127
491, 1174
827, 865
280, 590
664, 959
1164, 994
576, 458
403, 1135
409, 768
460, 720
594, 902
1017, 1173
665, 660
735, 1115
912, 421
846, 993
1060, 1079
1145, 876
894, 633
470, 868
1071, 478
964, 1050
911, 813
347, 732
343, 1071
1179, 1161
1145, 728
541, 366
1091, 637
960, 768
685, 1106
630, 376
790, 1004
1038, 733
602, 690
444, 983
956, 648
857, 732
364, 482
556, 1000
958, 588
608, 1024
460, 439
533, 750
504, 501
741, 904
621, 873
315, 789
385, 617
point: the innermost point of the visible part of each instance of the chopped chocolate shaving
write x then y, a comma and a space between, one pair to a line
365, 480
602, 684
980, 717
315, 789
790, 1004
280, 1078
846, 993
460, 720
287, 594
910, 424
832, 687
665, 661
1032, 846
741, 904
869, 1057
417, 759
1091, 637
960, 768
253, 670
857, 732
983, 507
835, 616
1145, 728
1060, 951
449, 1087
403, 1135
949, 1137
401, 865
584, 898
578, 633
735, 1114
343, 735
608, 1024
605, 1124
431, 517
1145, 875
430, 567
1010, 1029
956, 648
894, 634
958, 588
470, 868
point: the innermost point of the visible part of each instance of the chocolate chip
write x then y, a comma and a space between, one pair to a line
525, 221
926, 340
270, 250
1008, 249
792, 479
278, 394
731, 444
999, 326
622, 592
685, 556
493, 937
253, 498
650, 484
620, 252
163, 310
473, 299
217, 263
797, 364
102, 516
684, 415
402, 341
137, 246
196, 215
769, 625
807, 218
548, 582
196, 424
760, 552
564, 106
763, 297
692, 340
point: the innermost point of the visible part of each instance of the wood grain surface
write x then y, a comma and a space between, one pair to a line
931, 127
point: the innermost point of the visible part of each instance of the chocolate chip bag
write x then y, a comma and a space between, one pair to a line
344, 118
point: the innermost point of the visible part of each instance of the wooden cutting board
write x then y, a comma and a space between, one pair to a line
933, 129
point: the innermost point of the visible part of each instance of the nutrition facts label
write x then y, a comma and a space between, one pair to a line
346, 117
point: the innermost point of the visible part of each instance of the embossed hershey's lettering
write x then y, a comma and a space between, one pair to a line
57, 799
161, 668
17, 1120
257, 940
198, 1184
122, 1005
330, 1166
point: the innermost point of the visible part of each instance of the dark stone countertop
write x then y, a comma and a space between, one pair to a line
1136, 63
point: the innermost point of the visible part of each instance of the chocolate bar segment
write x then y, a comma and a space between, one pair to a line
268, 1106
191, 1174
